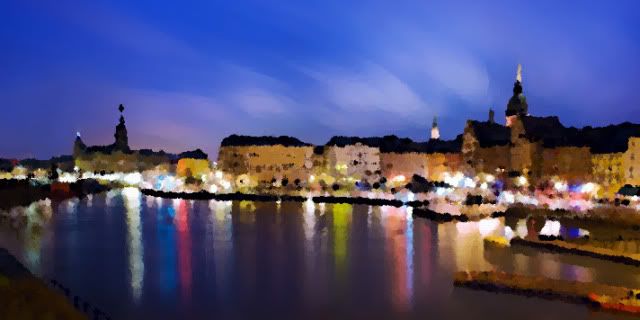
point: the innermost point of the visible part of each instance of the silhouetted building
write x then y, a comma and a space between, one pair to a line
118, 156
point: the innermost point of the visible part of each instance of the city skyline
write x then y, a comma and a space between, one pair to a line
258, 75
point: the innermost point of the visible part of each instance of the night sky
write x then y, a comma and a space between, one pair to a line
190, 74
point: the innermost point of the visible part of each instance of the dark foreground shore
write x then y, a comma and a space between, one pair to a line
23, 296
15, 193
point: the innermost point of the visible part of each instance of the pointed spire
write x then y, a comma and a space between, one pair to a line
435, 132
491, 116
519, 74
122, 141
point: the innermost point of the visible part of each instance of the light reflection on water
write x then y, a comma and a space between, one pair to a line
134, 239
168, 259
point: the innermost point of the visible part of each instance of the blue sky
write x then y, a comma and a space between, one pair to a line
192, 72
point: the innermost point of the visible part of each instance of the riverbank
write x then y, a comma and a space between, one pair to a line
14, 193
237, 196
609, 216
540, 287
420, 206
23, 296
581, 249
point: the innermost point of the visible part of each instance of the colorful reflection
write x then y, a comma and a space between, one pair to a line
184, 248
399, 234
166, 234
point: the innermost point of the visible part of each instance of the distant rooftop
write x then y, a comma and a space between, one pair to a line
491, 134
238, 140
392, 143
609, 139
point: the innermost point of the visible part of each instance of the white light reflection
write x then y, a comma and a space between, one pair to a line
521, 228
131, 198
488, 226
309, 218
508, 233
89, 200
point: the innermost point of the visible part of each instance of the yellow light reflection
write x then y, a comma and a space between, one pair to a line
341, 219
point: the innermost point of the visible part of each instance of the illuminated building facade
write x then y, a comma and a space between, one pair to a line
429, 159
352, 157
485, 148
266, 160
543, 149
533, 149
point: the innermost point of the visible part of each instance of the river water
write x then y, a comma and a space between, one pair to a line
140, 257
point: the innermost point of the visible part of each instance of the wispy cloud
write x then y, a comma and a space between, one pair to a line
259, 102
368, 89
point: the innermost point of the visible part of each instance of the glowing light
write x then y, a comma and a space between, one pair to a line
213, 188
484, 186
521, 181
469, 183
410, 196
508, 233
589, 187
507, 197
132, 178
398, 178
583, 233
456, 180
488, 226
312, 178
464, 228
551, 228
67, 178
521, 228
218, 174
560, 186
489, 178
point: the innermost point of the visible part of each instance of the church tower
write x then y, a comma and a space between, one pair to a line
78, 146
122, 140
517, 105
435, 132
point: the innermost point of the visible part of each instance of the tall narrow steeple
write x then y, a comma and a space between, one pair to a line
435, 132
78, 146
122, 140
492, 116
517, 105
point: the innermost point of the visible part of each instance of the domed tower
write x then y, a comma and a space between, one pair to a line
517, 105
122, 140
435, 132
